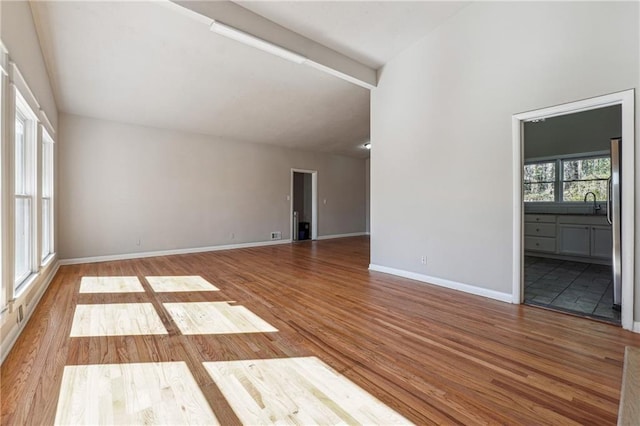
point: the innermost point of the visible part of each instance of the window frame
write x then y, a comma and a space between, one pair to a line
4, 287
24, 113
559, 176
47, 194
554, 182
563, 181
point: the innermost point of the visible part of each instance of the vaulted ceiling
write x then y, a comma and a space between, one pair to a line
148, 63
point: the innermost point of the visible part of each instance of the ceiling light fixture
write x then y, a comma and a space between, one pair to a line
258, 43
367, 145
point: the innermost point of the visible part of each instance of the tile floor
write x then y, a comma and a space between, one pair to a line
582, 288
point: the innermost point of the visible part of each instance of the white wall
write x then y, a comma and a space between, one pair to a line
122, 183
441, 127
587, 131
18, 33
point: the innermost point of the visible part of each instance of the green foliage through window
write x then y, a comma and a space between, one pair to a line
576, 177
585, 175
539, 181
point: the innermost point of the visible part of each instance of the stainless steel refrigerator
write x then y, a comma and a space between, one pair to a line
614, 216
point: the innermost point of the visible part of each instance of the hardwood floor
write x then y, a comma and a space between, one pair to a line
433, 355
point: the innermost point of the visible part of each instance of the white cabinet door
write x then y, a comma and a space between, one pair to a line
574, 240
601, 242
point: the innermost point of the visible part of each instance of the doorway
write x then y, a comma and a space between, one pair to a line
304, 205
562, 235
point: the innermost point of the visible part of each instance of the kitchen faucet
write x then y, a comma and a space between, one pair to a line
596, 207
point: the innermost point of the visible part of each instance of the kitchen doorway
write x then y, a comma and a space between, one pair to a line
562, 221
304, 205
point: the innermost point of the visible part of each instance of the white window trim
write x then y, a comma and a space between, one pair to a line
627, 100
559, 180
4, 297
47, 140
22, 108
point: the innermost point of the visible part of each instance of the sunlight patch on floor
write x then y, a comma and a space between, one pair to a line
116, 319
216, 318
144, 393
296, 391
184, 283
110, 285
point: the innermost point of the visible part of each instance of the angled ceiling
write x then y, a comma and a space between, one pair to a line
147, 63
371, 32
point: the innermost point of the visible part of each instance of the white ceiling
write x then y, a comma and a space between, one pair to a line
371, 32
145, 63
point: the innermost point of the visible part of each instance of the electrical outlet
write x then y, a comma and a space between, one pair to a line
20, 314
423, 260
276, 235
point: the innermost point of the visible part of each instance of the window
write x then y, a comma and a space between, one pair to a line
583, 175
540, 181
3, 284
24, 189
578, 175
47, 196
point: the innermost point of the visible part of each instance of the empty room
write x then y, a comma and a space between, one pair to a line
319, 212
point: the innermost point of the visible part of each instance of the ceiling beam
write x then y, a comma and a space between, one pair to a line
318, 56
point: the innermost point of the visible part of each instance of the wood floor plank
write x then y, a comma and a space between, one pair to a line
433, 355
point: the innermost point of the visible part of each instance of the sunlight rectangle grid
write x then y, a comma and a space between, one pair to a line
180, 283
296, 391
110, 285
116, 319
143, 393
216, 318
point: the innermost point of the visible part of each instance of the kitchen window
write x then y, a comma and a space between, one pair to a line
540, 181
566, 179
582, 175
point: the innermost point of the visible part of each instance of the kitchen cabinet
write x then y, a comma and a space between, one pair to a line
601, 243
540, 233
576, 237
575, 240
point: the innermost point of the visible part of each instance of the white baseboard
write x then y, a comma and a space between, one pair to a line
636, 327
141, 255
10, 339
478, 291
330, 237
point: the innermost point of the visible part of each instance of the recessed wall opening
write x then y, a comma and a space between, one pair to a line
569, 260
304, 205
573, 232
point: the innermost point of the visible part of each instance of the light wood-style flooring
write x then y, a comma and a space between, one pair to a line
431, 355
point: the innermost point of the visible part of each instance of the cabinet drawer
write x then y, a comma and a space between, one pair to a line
540, 244
540, 218
540, 229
